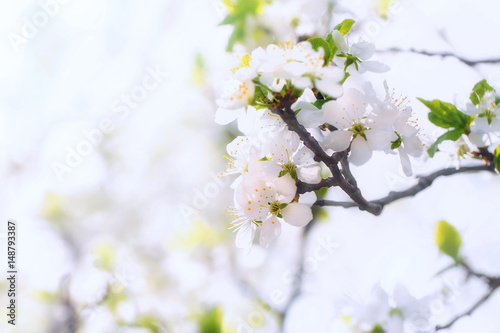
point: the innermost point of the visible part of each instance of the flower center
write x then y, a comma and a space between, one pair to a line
276, 207
290, 168
359, 129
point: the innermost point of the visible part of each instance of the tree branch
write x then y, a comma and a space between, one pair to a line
494, 284
468, 62
282, 107
422, 184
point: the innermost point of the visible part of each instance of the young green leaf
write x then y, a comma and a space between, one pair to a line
331, 42
448, 239
377, 329
479, 90
318, 42
447, 115
344, 27
496, 158
239, 11
452, 135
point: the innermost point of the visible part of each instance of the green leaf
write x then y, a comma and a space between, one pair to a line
331, 42
479, 90
447, 115
448, 239
452, 135
210, 321
239, 11
377, 329
344, 27
318, 42
265, 158
397, 143
319, 103
496, 158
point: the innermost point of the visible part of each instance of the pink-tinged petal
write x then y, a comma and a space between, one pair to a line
286, 188
271, 228
363, 50
225, 116
297, 214
337, 140
339, 41
373, 66
360, 151
244, 236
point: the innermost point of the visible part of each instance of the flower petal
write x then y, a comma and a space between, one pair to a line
311, 174
286, 188
225, 116
271, 228
337, 140
245, 235
339, 41
360, 151
297, 214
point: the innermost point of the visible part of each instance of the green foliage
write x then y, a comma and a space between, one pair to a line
328, 44
479, 90
397, 143
105, 257
239, 12
318, 42
377, 329
198, 74
319, 103
149, 322
447, 116
345, 26
496, 158
448, 239
452, 135
210, 321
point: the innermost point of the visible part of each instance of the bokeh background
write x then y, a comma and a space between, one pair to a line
110, 156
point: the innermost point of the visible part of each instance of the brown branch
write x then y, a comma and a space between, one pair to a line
282, 107
468, 62
422, 184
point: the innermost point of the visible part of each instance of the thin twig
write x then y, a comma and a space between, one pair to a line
468, 62
422, 184
494, 284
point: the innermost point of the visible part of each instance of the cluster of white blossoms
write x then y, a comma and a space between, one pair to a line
305, 80
383, 312
485, 129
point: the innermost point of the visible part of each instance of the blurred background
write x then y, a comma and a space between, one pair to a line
110, 156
